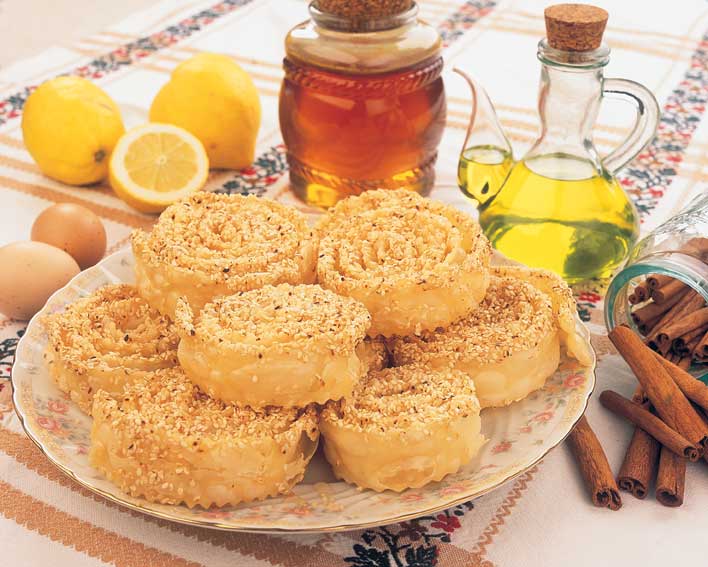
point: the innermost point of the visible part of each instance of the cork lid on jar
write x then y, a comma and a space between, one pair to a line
575, 27
363, 9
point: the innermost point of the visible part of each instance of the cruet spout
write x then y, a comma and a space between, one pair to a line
486, 158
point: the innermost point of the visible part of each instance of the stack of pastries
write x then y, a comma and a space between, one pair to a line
248, 335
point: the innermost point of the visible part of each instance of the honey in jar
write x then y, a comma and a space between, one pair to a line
362, 105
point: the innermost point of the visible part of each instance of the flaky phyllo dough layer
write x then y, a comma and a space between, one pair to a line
210, 245
278, 345
416, 264
168, 442
402, 428
562, 303
511, 343
105, 341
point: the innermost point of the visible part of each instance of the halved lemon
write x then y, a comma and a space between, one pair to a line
155, 165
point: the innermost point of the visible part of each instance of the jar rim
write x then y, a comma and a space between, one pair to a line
362, 25
676, 264
574, 59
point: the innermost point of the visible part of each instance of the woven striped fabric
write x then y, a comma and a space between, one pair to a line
541, 518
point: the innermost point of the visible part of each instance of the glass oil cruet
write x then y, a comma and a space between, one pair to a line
362, 104
560, 207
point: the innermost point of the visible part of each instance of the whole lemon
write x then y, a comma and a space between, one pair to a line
212, 97
70, 127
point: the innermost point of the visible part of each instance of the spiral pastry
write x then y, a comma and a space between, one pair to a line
562, 303
402, 428
166, 441
210, 245
105, 341
415, 263
278, 345
511, 343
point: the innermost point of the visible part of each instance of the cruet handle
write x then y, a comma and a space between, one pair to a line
645, 124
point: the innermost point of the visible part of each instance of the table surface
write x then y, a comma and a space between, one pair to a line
543, 517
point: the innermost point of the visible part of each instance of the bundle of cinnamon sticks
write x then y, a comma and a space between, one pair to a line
672, 316
669, 411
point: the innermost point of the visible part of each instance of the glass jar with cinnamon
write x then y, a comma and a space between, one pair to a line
362, 104
662, 292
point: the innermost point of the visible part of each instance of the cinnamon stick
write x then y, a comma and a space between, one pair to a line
681, 326
664, 434
700, 353
693, 389
681, 345
647, 327
655, 281
697, 247
666, 397
667, 291
639, 397
639, 465
703, 416
594, 467
653, 310
662, 346
670, 479
639, 293
690, 300
690, 347
684, 363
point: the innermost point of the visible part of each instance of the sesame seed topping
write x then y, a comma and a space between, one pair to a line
513, 317
110, 331
227, 242
383, 239
294, 315
404, 397
168, 408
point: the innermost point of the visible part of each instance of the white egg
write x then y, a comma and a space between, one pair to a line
32, 272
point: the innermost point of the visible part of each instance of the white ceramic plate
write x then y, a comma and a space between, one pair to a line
519, 436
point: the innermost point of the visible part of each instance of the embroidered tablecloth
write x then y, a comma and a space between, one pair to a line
543, 517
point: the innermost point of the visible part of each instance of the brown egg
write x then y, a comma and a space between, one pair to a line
74, 229
32, 271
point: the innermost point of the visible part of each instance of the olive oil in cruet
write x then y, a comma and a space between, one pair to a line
560, 206
557, 212
482, 171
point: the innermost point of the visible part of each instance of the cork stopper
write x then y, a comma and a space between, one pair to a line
575, 27
363, 9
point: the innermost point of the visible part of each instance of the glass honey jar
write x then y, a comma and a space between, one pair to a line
362, 104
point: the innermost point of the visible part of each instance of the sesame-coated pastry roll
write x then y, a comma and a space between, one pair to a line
105, 341
278, 345
209, 245
166, 441
511, 343
562, 303
402, 428
416, 264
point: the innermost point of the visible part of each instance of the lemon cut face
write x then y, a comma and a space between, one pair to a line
155, 165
